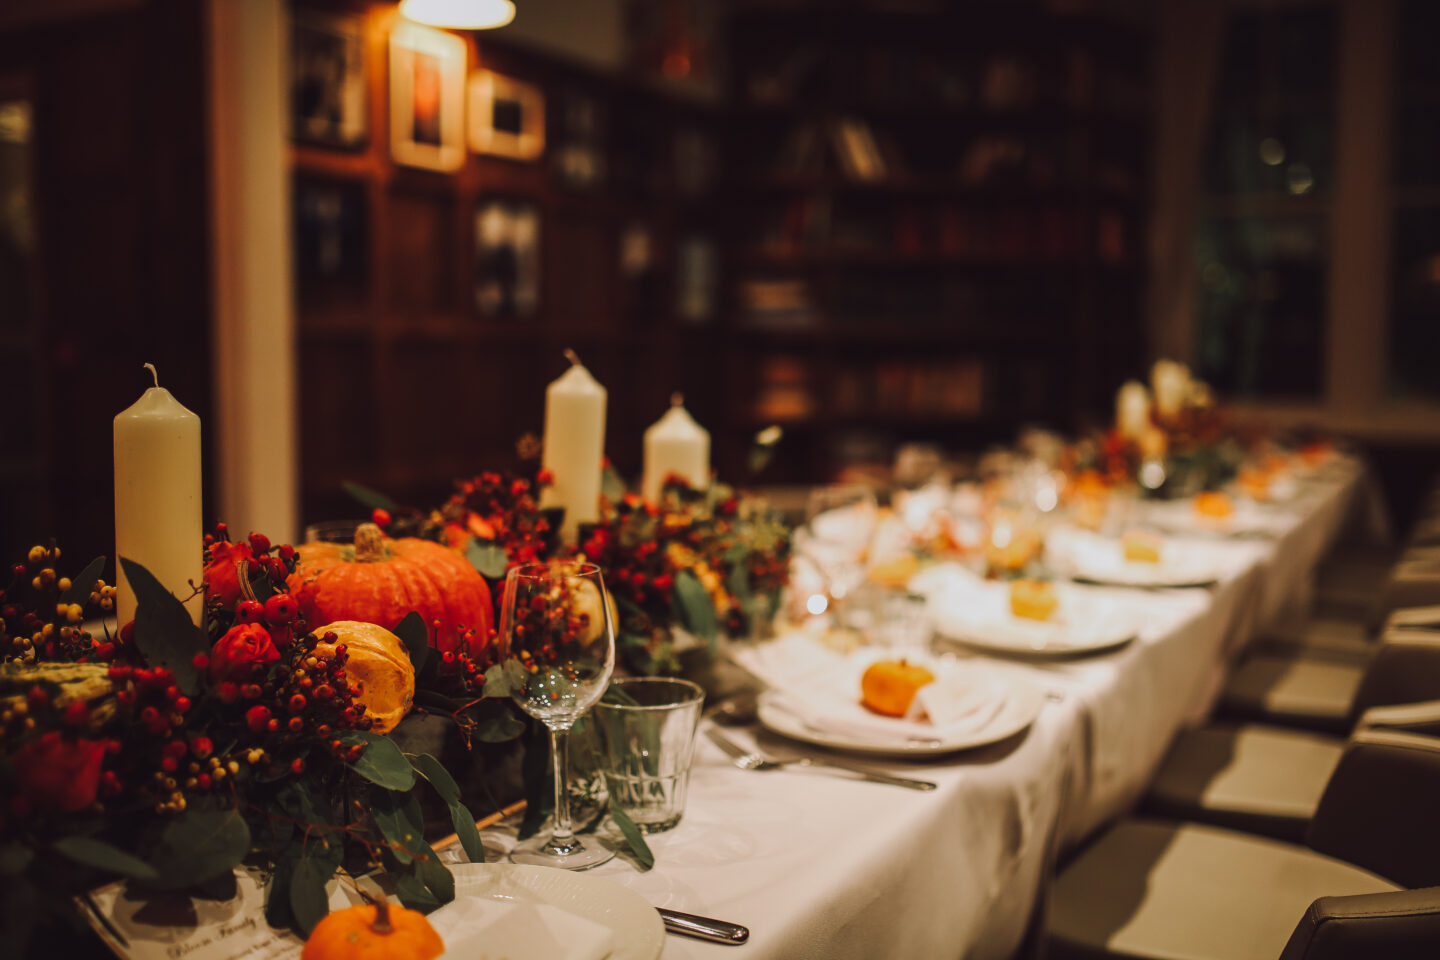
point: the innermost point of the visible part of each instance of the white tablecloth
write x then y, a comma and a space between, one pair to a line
820, 865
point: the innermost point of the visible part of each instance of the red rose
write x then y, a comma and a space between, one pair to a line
222, 583
236, 655
60, 773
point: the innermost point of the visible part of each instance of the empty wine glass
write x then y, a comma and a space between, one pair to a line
557, 622
840, 526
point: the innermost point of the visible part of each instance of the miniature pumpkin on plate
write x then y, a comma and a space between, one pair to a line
380, 580
379, 665
378, 931
889, 686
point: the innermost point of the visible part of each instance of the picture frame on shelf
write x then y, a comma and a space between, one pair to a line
507, 258
328, 105
506, 116
578, 156
331, 239
696, 279
427, 98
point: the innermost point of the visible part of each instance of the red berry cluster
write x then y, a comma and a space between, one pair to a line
501, 509
39, 620
231, 575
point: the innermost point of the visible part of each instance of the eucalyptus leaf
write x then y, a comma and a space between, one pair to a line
466, 830
612, 485
382, 763
14, 858
366, 497
83, 583
198, 845
103, 856
393, 819
501, 727
488, 557
277, 895
414, 894
434, 771
413, 633
164, 632
697, 610
536, 774
308, 902
260, 584
633, 836
497, 681
437, 877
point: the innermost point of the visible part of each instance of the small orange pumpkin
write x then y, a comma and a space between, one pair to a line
380, 580
378, 931
379, 665
888, 686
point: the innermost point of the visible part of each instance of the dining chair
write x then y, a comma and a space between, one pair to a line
1164, 889
1326, 692
1403, 925
1263, 779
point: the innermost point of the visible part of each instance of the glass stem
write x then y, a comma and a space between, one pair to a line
563, 833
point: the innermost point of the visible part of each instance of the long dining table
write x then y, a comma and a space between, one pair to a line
820, 864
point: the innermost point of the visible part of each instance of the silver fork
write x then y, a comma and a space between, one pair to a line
754, 760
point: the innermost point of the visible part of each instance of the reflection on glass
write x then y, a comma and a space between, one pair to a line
17, 219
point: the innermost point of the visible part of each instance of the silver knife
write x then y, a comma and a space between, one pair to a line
874, 776
703, 928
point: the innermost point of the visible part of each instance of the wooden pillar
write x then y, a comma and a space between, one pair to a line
253, 362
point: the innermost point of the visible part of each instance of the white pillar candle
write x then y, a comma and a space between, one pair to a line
1171, 383
574, 446
158, 520
675, 444
1132, 409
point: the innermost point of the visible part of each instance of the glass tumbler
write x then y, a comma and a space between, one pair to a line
646, 732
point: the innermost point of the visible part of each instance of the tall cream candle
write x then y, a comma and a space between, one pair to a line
157, 497
574, 446
1171, 382
1132, 410
675, 444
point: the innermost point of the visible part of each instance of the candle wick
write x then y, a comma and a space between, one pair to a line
677, 399
153, 373
570, 355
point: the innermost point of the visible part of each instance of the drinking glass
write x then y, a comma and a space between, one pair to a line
840, 523
647, 741
556, 620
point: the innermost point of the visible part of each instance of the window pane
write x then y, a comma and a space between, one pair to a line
1261, 242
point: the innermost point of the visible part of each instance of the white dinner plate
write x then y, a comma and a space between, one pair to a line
1083, 623
639, 931
1022, 701
1181, 565
1249, 519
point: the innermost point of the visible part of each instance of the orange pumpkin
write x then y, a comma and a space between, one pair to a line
379, 931
888, 686
380, 580
378, 664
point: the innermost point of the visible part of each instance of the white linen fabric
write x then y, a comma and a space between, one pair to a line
821, 865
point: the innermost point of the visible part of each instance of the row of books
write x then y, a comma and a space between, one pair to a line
789, 389
884, 74
817, 225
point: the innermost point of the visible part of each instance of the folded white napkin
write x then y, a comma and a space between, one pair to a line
479, 928
955, 705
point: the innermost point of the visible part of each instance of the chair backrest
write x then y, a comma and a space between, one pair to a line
1379, 807
1404, 925
1404, 669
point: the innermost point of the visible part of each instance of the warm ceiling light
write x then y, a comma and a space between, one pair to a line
459, 14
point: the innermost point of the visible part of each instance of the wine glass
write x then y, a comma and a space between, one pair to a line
556, 620
840, 524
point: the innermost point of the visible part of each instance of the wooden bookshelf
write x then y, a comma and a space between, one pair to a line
405, 383
920, 198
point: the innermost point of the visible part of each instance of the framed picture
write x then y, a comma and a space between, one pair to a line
327, 80
696, 279
579, 155
507, 116
507, 251
427, 97
330, 239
